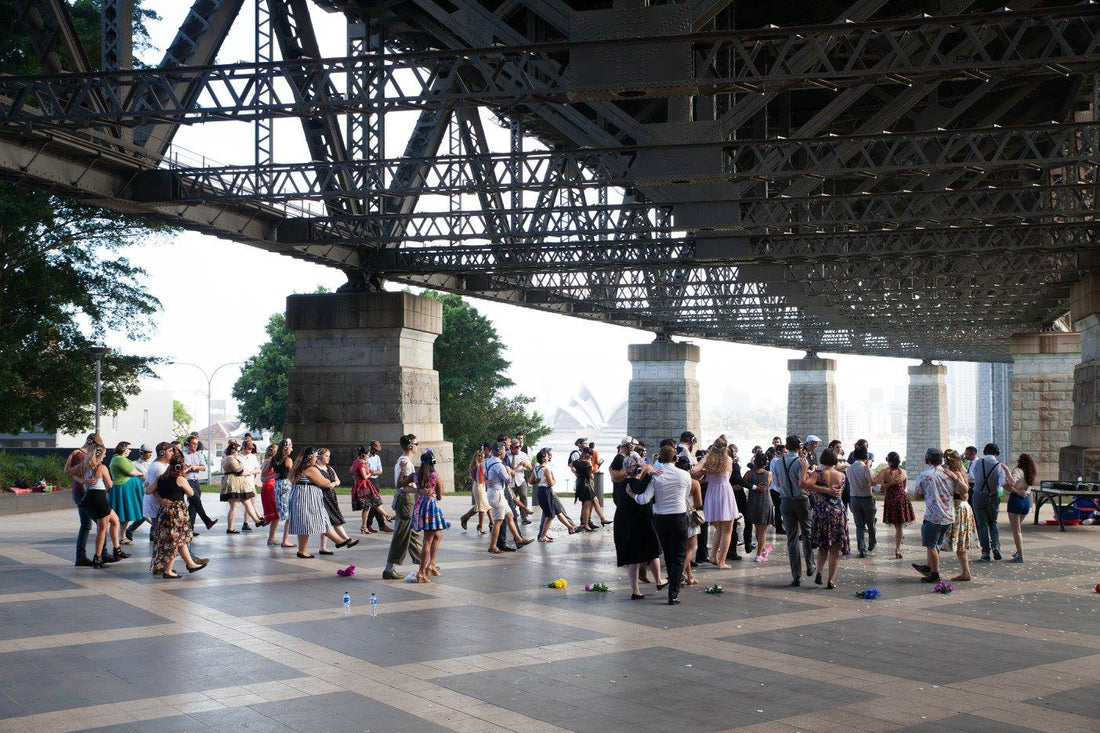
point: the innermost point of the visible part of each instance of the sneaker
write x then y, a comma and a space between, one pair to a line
984, 558
246, 527
1017, 559
767, 551
922, 569
931, 578
761, 558
862, 553
997, 555
83, 562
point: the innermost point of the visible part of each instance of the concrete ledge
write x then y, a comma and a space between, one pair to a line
27, 503
1054, 342
811, 364
662, 351
336, 311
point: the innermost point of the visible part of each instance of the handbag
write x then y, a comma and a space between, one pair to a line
696, 518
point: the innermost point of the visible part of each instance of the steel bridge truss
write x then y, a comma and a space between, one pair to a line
868, 181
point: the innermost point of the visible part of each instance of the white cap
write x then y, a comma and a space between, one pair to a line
626, 441
811, 439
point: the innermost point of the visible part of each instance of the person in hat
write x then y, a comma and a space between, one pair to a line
809, 449
428, 517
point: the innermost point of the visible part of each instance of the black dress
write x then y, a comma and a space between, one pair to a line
635, 538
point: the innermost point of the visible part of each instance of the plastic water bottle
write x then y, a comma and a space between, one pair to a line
373, 605
347, 604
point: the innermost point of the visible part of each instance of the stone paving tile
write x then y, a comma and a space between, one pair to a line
28, 580
275, 596
653, 611
658, 689
70, 615
963, 724
1044, 609
417, 636
1083, 701
92, 674
930, 652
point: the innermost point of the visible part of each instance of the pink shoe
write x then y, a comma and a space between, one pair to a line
761, 558
767, 551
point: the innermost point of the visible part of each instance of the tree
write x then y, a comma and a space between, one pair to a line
61, 279
261, 390
469, 357
181, 419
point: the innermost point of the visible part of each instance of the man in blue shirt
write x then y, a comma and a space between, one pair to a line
792, 472
498, 482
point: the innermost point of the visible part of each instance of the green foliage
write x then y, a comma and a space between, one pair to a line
469, 357
17, 466
60, 281
55, 268
181, 419
261, 390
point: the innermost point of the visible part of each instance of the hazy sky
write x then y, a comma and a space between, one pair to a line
225, 292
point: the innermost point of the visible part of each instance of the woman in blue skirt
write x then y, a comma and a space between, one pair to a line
428, 517
1019, 500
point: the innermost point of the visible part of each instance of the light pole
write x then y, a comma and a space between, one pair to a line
209, 408
97, 353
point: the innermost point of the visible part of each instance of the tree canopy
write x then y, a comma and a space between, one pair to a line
261, 390
62, 282
181, 419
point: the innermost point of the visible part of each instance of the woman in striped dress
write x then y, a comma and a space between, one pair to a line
428, 517
306, 513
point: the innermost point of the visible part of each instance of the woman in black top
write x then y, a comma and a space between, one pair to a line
173, 532
586, 491
636, 545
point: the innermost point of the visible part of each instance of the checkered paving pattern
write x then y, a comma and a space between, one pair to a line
259, 641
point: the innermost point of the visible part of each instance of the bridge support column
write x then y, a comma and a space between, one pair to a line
926, 423
363, 371
664, 392
1042, 397
811, 398
1082, 456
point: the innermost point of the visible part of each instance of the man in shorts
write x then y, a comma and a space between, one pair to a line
936, 486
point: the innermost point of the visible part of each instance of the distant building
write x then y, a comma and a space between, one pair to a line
218, 434
147, 418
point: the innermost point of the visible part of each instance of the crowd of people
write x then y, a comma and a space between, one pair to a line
683, 504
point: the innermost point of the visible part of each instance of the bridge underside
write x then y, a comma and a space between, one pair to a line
887, 177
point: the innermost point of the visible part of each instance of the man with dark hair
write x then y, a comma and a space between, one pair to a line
687, 446
858, 480
987, 475
194, 465
794, 478
937, 487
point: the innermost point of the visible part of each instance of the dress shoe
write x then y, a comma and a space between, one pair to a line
996, 554
83, 562
211, 523
674, 601
246, 527
392, 575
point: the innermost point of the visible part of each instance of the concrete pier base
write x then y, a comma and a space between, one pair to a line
664, 392
811, 398
1082, 456
363, 371
926, 424
1042, 397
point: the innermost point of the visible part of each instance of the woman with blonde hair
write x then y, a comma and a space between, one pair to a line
237, 489
479, 500
963, 532
97, 481
719, 504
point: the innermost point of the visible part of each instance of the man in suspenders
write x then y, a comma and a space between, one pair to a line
987, 475
795, 506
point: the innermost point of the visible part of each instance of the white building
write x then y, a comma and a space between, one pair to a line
147, 418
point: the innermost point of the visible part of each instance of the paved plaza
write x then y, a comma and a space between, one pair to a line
259, 641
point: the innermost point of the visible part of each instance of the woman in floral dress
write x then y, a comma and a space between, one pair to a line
964, 530
829, 524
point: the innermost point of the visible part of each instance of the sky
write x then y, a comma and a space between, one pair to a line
217, 295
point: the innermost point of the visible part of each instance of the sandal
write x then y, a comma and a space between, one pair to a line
287, 545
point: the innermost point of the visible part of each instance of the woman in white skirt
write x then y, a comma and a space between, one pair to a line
306, 510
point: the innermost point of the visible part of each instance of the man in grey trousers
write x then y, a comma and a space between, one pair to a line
862, 503
795, 507
404, 539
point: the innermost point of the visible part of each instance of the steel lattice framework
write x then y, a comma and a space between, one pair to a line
897, 177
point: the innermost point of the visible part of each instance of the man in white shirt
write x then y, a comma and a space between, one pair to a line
150, 507
687, 446
195, 469
668, 489
519, 463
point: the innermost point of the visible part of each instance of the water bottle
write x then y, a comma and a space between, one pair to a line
347, 604
373, 605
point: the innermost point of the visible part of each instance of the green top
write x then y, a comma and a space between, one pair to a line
121, 469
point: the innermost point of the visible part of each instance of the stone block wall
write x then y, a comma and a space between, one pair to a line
926, 424
811, 398
364, 371
1043, 397
663, 398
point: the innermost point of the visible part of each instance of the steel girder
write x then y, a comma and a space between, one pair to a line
882, 52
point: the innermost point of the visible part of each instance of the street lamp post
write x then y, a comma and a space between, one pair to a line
97, 353
209, 407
